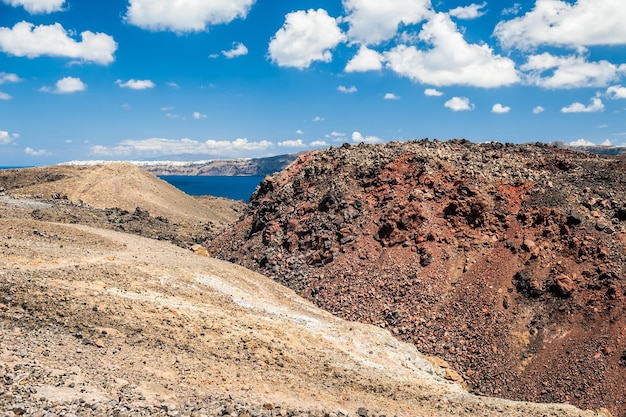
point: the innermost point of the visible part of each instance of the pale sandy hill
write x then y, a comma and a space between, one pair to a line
125, 186
95, 322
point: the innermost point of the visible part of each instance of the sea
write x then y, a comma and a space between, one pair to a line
235, 188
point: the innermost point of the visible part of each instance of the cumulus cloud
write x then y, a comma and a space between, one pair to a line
163, 147
391, 96
336, 135
616, 91
365, 60
5, 96
538, 109
7, 138
358, 138
67, 85
198, 116
581, 142
500, 109
8, 78
319, 144
135, 84
459, 104
472, 11
238, 49
300, 132
373, 21
558, 22
305, 37
36, 152
26, 39
347, 90
298, 143
172, 84
513, 10
184, 15
596, 105
451, 60
572, 71
37, 6
432, 92
318, 119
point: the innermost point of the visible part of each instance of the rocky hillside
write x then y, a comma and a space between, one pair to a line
506, 260
95, 322
123, 197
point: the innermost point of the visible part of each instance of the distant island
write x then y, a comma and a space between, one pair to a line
253, 167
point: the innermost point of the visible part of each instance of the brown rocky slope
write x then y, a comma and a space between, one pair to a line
94, 322
506, 260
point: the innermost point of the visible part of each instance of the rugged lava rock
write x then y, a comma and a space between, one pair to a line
505, 260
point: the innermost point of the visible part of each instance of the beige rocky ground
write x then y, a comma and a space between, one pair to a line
98, 322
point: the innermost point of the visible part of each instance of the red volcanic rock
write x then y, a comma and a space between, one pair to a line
507, 261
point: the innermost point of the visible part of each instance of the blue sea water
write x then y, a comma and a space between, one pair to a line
235, 188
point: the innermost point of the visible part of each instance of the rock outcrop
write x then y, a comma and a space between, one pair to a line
507, 261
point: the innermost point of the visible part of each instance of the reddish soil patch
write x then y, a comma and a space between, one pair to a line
506, 260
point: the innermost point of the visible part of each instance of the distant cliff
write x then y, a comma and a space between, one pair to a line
217, 167
222, 167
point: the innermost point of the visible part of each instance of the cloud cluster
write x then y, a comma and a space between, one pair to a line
558, 22
7, 138
37, 6
305, 37
459, 104
184, 15
596, 105
26, 39
164, 147
135, 84
472, 11
67, 85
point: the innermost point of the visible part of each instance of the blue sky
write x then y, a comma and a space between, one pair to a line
212, 79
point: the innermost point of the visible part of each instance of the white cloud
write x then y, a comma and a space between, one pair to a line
472, 11
347, 90
513, 10
8, 78
335, 135
185, 15
500, 109
167, 108
432, 92
238, 49
374, 21
538, 109
319, 144
582, 142
318, 119
34, 152
38, 6
557, 22
616, 91
67, 85
135, 84
5, 96
298, 143
572, 71
163, 147
358, 138
172, 84
365, 60
391, 96
451, 61
172, 115
306, 37
596, 105
459, 104
26, 39
606, 142
7, 138
197, 115
300, 132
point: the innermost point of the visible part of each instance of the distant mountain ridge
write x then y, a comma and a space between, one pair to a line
217, 167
